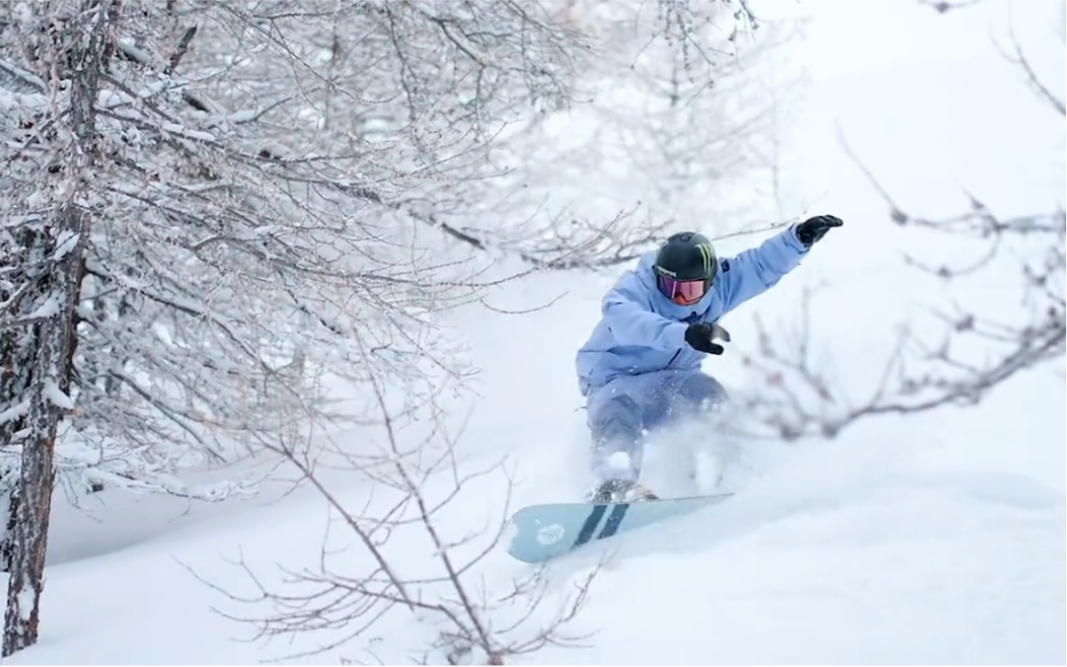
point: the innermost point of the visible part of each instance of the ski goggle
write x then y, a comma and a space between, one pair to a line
682, 292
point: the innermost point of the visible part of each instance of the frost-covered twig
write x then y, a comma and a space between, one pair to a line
677, 110
418, 550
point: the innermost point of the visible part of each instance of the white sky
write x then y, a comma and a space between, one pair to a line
928, 101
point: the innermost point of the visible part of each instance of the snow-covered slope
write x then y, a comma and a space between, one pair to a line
882, 547
932, 539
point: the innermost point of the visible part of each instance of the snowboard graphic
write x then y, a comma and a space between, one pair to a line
544, 532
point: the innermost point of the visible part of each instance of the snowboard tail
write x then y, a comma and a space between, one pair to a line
544, 532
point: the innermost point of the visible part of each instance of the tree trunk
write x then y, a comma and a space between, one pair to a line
9, 487
16, 378
46, 399
40, 343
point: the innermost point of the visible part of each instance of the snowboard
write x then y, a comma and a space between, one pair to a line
544, 532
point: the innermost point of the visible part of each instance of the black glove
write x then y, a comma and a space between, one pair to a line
813, 229
701, 337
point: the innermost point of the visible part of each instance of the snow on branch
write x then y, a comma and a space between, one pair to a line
255, 200
678, 110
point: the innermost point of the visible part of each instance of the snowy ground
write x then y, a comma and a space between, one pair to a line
937, 539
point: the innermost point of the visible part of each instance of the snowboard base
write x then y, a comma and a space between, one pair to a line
544, 532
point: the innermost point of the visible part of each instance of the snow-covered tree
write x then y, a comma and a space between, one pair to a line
677, 116
42, 246
203, 203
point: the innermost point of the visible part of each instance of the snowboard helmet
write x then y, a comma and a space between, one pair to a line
685, 267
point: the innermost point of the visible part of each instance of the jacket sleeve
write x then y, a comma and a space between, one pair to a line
754, 271
631, 322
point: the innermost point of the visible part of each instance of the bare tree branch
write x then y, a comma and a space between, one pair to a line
976, 352
416, 482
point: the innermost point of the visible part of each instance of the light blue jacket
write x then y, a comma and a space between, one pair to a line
641, 330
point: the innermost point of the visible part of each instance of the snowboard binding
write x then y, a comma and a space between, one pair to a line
616, 491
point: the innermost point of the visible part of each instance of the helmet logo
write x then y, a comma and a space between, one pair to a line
705, 252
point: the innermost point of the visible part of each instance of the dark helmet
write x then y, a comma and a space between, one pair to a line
684, 258
687, 256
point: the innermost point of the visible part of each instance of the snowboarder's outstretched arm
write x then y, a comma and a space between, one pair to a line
754, 271
632, 323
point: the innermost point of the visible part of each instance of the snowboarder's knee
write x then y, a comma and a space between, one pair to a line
698, 388
618, 413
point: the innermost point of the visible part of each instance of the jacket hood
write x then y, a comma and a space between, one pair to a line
660, 303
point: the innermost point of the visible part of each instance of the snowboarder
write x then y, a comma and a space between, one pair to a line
641, 365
